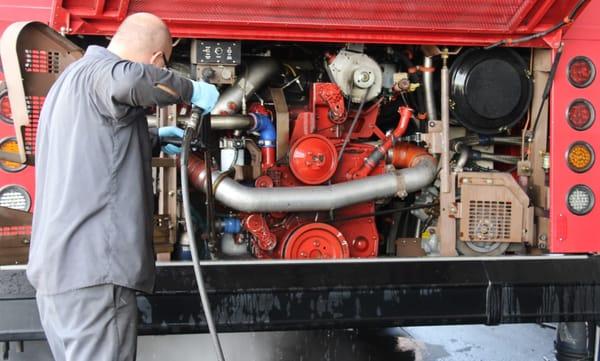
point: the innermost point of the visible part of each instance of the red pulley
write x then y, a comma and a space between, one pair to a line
316, 240
264, 181
313, 159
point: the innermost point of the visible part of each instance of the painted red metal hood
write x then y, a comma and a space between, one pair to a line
458, 22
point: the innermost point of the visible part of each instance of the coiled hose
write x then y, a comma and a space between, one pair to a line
187, 211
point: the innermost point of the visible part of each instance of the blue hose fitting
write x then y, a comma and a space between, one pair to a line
485, 140
231, 225
264, 126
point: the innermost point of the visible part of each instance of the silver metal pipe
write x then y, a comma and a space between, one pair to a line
445, 156
256, 77
429, 92
320, 198
506, 159
506, 140
227, 122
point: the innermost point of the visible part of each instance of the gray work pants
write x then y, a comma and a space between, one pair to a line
96, 323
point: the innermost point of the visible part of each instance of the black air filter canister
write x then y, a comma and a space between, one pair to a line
490, 90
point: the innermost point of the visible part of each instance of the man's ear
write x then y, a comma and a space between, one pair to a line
157, 59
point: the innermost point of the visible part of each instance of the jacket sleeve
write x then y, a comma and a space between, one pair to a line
132, 84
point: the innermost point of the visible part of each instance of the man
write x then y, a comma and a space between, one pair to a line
91, 245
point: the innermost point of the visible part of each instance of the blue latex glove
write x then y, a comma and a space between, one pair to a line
170, 149
205, 95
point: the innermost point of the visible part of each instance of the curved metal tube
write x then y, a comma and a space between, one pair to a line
316, 198
462, 159
257, 75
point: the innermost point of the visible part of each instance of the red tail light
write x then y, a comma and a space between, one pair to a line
5, 113
581, 114
581, 72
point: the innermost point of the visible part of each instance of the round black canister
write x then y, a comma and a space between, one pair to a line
490, 90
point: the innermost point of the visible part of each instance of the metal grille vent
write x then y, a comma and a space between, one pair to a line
34, 106
41, 61
15, 231
470, 15
489, 220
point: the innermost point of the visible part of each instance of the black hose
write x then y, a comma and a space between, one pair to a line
187, 211
352, 125
473, 140
567, 20
500, 158
547, 88
210, 199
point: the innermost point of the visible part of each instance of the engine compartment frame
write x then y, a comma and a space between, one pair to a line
292, 294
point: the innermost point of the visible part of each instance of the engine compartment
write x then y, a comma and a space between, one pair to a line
353, 151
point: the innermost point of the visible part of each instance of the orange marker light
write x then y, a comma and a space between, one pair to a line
580, 157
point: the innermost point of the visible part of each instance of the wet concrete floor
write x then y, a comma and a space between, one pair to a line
458, 343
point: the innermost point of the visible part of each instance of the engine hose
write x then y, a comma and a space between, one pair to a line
473, 140
187, 210
506, 159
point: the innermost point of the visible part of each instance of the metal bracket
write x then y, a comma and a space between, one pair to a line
282, 118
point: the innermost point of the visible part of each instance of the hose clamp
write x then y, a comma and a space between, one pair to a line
400, 186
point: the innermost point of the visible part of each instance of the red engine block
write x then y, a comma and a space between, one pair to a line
317, 138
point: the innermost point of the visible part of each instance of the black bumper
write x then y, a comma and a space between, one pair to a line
282, 295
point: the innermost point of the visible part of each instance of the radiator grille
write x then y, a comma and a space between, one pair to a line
469, 15
489, 220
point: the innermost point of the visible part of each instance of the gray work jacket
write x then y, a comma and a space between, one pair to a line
92, 222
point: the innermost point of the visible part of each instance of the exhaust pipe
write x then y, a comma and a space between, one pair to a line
315, 198
257, 75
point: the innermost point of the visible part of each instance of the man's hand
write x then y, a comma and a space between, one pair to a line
163, 132
205, 95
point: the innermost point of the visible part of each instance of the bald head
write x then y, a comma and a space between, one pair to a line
143, 38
